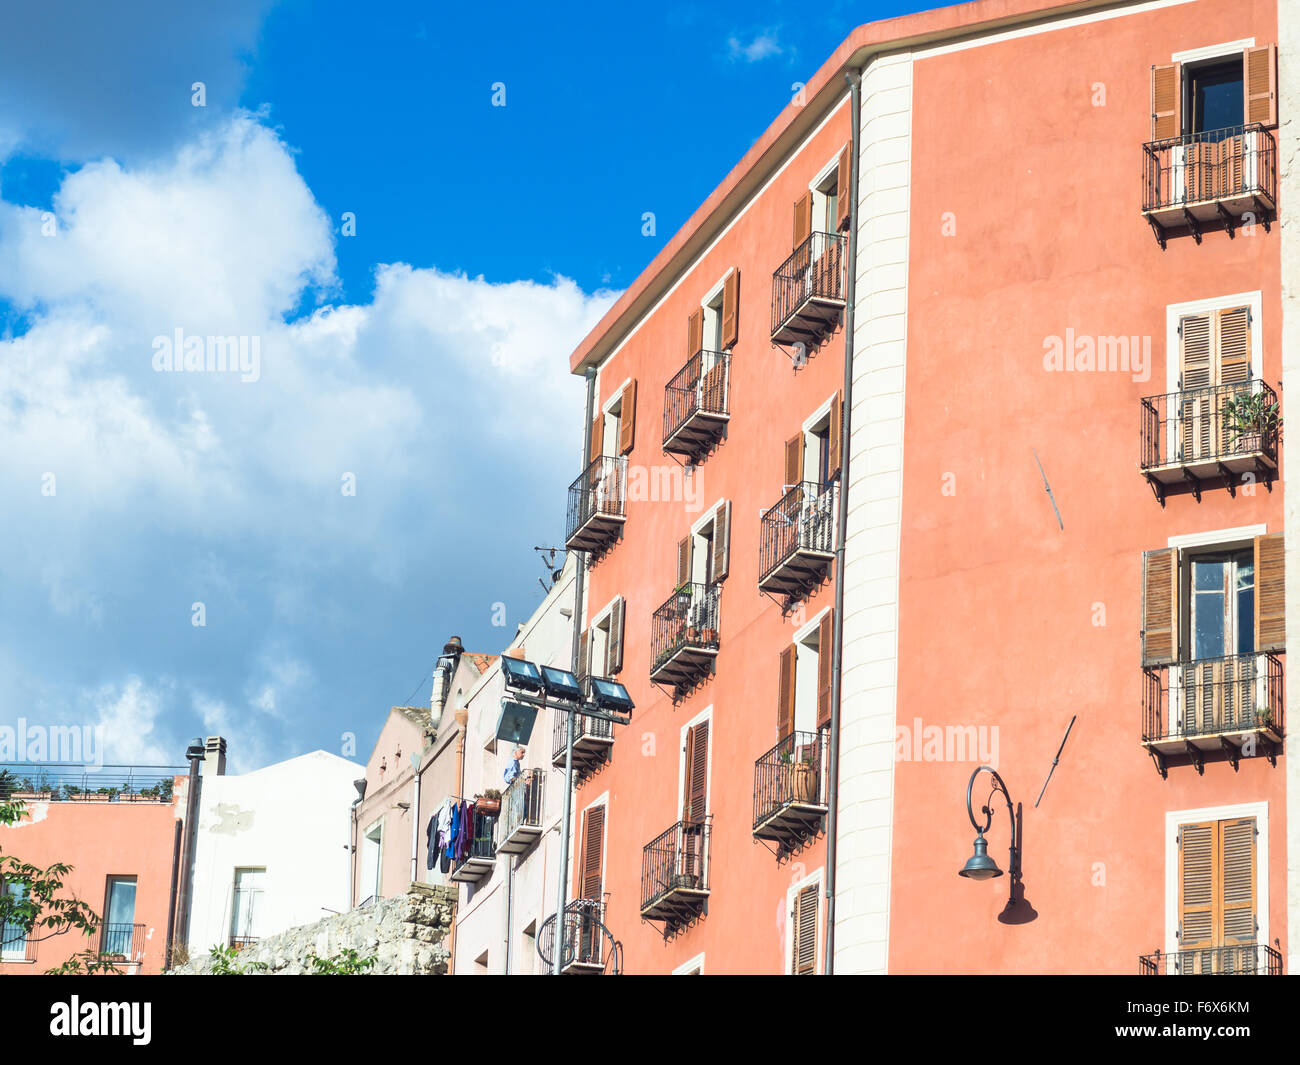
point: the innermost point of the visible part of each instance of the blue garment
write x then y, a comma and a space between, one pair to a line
512, 771
453, 837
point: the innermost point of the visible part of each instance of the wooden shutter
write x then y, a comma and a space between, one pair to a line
785, 695
1238, 880
722, 540
1195, 351
1270, 592
1196, 862
593, 852
627, 418
697, 773
597, 432
834, 442
1160, 607
694, 332
1166, 101
584, 654
614, 647
825, 640
1261, 84
843, 192
731, 310
683, 560
802, 218
1233, 346
794, 459
803, 946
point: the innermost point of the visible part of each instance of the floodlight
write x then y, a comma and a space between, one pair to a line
561, 684
610, 695
520, 674
515, 725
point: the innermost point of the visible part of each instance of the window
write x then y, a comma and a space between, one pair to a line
804, 687
1221, 620
1213, 95
119, 916
593, 855
527, 963
614, 430
372, 847
13, 938
1217, 890
1216, 93
805, 904
704, 557
246, 906
813, 454
695, 773
600, 648
825, 214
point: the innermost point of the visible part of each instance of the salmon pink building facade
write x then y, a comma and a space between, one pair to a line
948, 429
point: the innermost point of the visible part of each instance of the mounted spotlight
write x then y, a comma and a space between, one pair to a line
610, 695
515, 725
521, 675
561, 684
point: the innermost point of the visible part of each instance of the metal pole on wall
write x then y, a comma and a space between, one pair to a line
558, 949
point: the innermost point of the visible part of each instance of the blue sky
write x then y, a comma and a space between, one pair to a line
424, 357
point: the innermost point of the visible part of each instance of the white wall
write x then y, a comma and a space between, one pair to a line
292, 819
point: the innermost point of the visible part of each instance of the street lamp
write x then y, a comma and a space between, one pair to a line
980, 866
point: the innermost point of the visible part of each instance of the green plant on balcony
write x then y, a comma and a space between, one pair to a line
1263, 716
1250, 419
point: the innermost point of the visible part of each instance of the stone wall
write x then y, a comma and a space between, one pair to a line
407, 933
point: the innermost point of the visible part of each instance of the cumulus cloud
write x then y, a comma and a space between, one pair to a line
759, 47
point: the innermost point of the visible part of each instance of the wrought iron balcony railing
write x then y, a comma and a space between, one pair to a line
796, 539
522, 810
238, 943
122, 940
583, 939
1220, 431
675, 875
808, 290
597, 505
790, 791
1242, 959
695, 404
593, 741
684, 635
80, 783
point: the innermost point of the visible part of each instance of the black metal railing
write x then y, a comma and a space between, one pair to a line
699, 387
83, 783
600, 490
689, 618
1219, 164
803, 519
676, 860
238, 943
1242, 959
792, 772
521, 802
1212, 695
815, 270
483, 843
582, 726
1209, 424
122, 940
583, 941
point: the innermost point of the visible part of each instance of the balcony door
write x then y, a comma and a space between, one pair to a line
119, 916
1217, 897
245, 919
1214, 368
1221, 679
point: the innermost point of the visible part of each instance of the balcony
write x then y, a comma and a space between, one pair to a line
684, 638
522, 807
790, 792
597, 506
122, 942
695, 405
808, 291
796, 540
675, 877
593, 743
482, 855
1217, 176
1233, 705
583, 947
1243, 959
1203, 434
51, 782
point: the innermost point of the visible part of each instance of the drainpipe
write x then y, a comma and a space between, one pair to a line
578, 572
194, 753
168, 962
354, 871
415, 820
854, 78
462, 720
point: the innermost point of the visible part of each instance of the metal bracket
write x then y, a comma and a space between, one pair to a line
1262, 213
1196, 755
1226, 474
1192, 224
1162, 766
1158, 229
1194, 481
1157, 487
1229, 223
1233, 752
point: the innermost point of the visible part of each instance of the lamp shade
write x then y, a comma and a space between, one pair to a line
980, 866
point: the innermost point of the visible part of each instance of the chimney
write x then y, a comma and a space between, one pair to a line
443, 671
214, 761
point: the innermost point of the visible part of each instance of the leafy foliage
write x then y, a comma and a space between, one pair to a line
345, 963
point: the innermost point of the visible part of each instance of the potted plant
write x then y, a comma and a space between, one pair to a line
1252, 419
803, 780
489, 803
1263, 716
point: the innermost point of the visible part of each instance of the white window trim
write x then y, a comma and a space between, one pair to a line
1175, 818
709, 515
791, 895
704, 715
715, 291
802, 634
1217, 537
1175, 311
688, 967
824, 411
1212, 51
823, 175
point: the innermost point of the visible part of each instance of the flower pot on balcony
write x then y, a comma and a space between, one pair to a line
488, 806
684, 881
803, 782
692, 635
709, 637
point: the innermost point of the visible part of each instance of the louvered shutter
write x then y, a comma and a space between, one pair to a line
802, 218
1196, 864
1233, 346
834, 442
584, 653
627, 418
1270, 592
825, 640
785, 695
722, 540
803, 953
597, 432
794, 460
731, 310
683, 560
1160, 607
694, 332
1238, 880
697, 773
614, 649
1261, 85
593, 853
1196, 362
1166, 101
843, 192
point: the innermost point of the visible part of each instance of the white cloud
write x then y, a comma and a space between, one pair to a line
762, 46
128, 717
